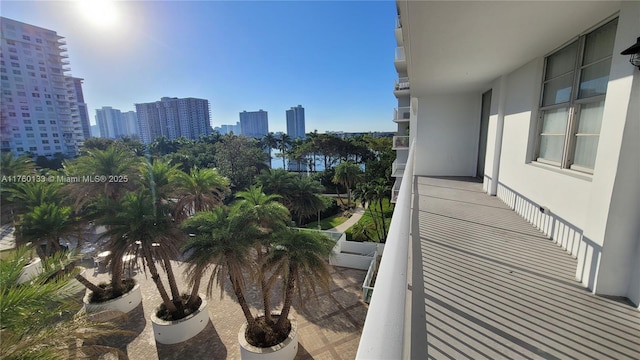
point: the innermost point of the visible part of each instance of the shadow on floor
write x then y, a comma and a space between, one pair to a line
206, 345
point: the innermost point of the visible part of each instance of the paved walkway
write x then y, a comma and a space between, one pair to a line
7, 240
329, 328
357, 214
487, 284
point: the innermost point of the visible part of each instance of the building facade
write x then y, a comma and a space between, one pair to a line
228, 129
254, 124
173, 118
41, 111
110, 122
82, 111
546, 117
295, 123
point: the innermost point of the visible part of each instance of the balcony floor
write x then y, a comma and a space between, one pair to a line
495, 287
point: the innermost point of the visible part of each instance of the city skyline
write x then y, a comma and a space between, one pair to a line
336, 58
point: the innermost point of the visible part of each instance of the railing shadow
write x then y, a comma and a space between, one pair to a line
206, 345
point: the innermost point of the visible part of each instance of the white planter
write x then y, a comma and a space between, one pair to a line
173, 332
30, 271
286, 350
124, 303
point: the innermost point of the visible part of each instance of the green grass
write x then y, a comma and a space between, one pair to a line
327, 223
367, 221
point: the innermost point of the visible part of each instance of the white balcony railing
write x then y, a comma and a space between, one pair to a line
383, 332
402, 83
400, 54
402, 113
400, 142
398, 22
397, 169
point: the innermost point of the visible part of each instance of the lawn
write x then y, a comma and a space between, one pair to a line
327, 223
367, 222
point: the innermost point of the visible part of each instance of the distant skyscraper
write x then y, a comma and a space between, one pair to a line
95, 131
295, 122
254, 124
173, 118
110, 122
227, 129
39, 113
130, 123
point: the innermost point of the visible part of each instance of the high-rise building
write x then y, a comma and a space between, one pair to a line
110, 122
81, 110
130, 123
39, 111
173, 118
228, 129
254, 124
295, 122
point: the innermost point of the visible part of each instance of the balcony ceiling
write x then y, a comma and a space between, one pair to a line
455, 46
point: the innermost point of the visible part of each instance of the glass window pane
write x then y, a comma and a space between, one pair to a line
590, 118
594, 79
562, 61
557, 91
551, 147
555, 121
586, 149
599, 43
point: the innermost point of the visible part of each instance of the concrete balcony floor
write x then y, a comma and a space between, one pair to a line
487, 284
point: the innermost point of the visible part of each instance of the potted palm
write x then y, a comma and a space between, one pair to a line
226, 239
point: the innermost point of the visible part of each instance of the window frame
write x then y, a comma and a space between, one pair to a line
574, 104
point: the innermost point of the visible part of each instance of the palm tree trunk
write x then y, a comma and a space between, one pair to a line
288, 299
156, 279
194, 296
89, 285
264, 288
384, 227
237, 290
116, 275
173, 285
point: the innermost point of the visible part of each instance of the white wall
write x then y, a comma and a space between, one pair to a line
448, 128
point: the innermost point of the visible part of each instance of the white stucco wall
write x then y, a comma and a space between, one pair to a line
447, 125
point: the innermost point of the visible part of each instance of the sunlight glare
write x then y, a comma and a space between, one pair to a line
100, 13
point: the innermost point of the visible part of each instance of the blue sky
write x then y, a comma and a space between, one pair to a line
333, 58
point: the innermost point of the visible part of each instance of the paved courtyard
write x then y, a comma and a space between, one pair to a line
328, 329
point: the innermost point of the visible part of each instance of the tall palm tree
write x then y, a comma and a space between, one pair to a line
11, 165
271, 142
54, 325
305, 198
265, 212
347, 174
299, 258
200, 190
159, 177
279, 182
284, 142
23, 197
222, 241
142, 227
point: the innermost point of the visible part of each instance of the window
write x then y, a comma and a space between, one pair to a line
572, 101
26, 37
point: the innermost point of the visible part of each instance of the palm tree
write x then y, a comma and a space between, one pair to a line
23, 197
265, 212
45, 225
284, 142
347, 174
13, 166
200, 190
271, 142
305, 198
279, 182
54, 325
142, 227
299, 257
114, 161
159, 176
223, 241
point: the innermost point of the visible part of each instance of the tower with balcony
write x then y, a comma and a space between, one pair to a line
402, 113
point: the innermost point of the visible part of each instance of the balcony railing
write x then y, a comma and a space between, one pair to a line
398, 22
401, 114
383, 332
400, 54
397, 169
400, 142
402, 84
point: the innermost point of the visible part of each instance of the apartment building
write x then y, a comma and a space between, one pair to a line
515, 232
42, 106
254, 124
173, 118
295, 122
